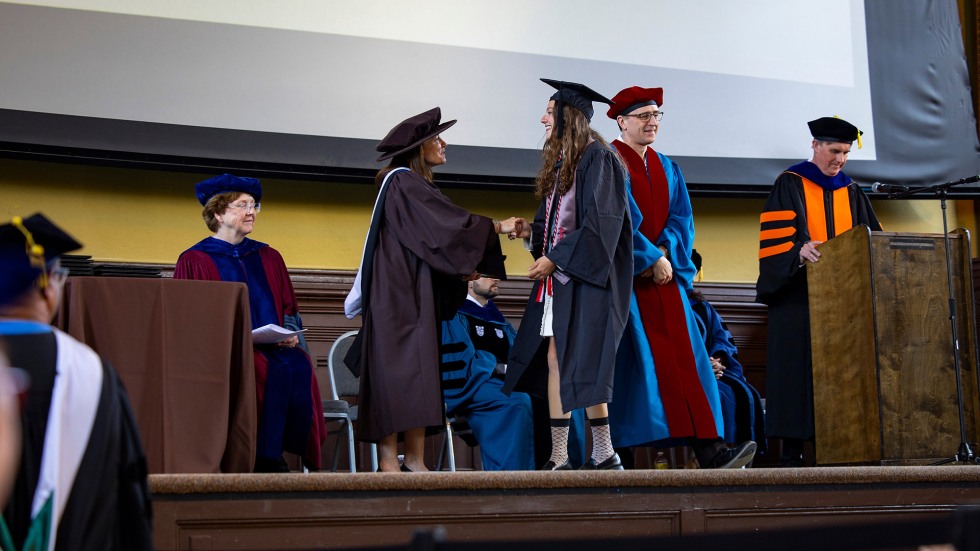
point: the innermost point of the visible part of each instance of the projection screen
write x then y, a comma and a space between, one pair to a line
304, 89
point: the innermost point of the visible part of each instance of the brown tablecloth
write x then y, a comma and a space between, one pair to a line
184, 352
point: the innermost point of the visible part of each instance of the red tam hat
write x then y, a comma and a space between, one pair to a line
632, 98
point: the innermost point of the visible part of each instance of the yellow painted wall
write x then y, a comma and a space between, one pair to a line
150, 216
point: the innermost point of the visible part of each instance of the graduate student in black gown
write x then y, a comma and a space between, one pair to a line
581, 241
81, 483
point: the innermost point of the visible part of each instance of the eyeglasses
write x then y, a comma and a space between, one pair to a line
247, 207
58, 274
645, 117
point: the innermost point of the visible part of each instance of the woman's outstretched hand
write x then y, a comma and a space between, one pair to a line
515, 227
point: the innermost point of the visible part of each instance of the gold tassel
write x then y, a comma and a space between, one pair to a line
34, 252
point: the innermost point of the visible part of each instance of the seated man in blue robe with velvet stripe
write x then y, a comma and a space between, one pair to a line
475, 345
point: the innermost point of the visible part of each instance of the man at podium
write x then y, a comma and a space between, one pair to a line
810, 202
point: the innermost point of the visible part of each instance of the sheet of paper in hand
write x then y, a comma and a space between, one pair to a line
272, 333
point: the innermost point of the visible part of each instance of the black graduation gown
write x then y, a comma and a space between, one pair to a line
109, 507
782, 286
591, 309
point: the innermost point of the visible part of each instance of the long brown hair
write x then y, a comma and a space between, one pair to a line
570, 148
413, 159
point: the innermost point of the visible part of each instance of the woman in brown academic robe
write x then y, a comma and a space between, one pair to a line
420, 252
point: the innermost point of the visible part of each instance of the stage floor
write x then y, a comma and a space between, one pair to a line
342, 510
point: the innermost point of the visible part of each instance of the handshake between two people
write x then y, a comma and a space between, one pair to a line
515, 227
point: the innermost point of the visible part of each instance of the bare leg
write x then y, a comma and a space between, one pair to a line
415, 449
559, 420
388, 453
597, 411
554, 384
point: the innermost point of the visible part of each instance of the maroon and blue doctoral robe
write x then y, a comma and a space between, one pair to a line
291, 413
665, 387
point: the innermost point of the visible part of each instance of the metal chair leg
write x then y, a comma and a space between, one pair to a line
449, 446
350, 447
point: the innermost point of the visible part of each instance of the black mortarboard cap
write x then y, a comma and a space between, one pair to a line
576, 95
27, 247
834, 129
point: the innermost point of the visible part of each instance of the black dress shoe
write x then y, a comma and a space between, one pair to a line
733, 458
611, 463
270, 465
550, 466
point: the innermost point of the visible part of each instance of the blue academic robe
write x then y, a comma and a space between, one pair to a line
474, 342
636, 414
741, 404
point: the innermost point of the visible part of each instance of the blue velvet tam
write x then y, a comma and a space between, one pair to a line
27, 248
225, 183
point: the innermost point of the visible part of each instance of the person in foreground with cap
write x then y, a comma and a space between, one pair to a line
81, 484
9, 428
583, 270
420, 251
290, 410
810, 202
665, 392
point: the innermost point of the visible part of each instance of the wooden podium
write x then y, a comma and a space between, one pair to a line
884, 383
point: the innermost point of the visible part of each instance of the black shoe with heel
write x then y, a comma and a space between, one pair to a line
550, 466
611, 463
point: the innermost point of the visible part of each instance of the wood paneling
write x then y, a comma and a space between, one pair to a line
333, 511
887, 374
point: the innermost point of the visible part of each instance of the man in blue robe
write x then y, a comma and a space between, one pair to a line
664, 392
475, 345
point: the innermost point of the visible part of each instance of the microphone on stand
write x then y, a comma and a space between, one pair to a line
879, 187
967, 180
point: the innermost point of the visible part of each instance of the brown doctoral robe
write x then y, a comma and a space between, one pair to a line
425, 246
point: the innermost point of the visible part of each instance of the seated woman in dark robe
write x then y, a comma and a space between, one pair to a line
291, 413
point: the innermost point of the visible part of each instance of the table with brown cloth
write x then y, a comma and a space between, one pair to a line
183, 350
